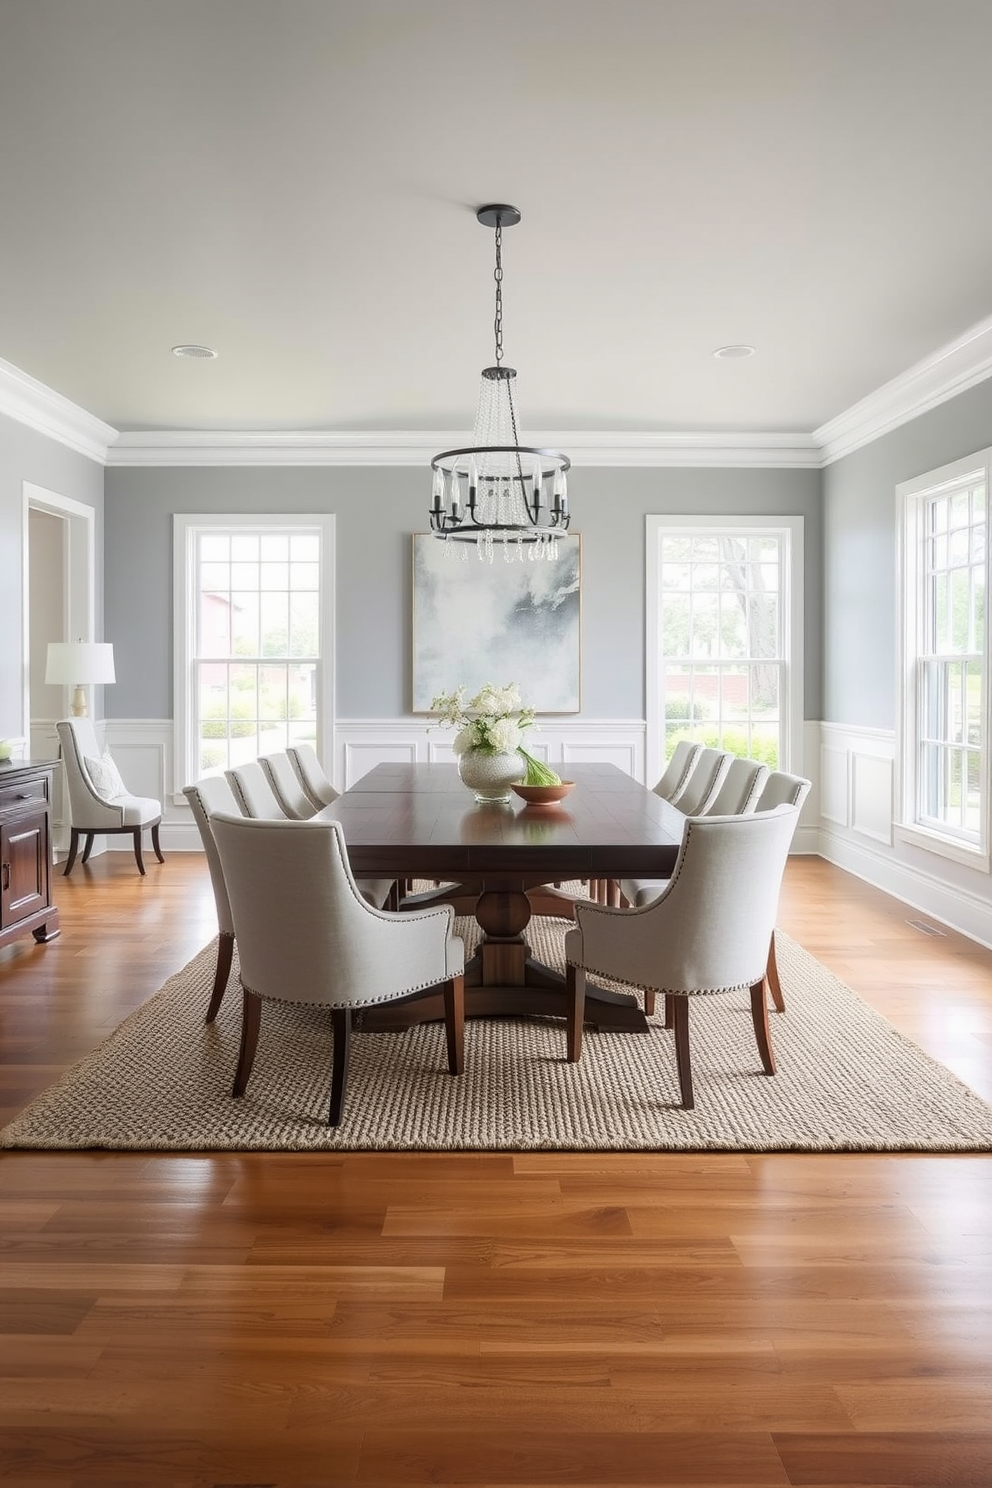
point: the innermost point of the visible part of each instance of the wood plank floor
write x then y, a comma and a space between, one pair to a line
240, 1321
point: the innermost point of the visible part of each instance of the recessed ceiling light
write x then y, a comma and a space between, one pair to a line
193, 351
733, 353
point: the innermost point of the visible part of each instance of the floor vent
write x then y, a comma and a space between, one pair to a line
924, 928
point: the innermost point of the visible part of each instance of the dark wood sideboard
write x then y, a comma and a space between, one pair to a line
26, 851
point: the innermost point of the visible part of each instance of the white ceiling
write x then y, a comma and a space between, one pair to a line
294, 183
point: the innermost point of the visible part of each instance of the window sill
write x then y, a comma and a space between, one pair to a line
944, 847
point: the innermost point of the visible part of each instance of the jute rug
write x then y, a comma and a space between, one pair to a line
846, 1081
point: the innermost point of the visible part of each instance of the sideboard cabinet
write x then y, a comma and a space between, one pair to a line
26, 851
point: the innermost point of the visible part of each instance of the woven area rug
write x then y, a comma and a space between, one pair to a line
846, 1081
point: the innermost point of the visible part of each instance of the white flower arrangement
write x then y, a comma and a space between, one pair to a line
492, 721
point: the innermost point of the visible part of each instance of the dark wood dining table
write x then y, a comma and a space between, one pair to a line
499, 863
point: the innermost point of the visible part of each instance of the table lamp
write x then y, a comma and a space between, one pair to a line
79, 664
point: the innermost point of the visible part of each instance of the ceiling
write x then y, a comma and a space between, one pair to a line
294, 183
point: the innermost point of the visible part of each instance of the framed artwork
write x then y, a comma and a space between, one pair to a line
497, 622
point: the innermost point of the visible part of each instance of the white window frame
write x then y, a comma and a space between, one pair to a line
911, 498
186, 528
791, 528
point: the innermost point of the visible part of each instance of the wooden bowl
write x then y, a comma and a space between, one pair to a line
544, 795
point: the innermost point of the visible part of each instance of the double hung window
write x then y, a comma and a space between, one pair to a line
945, 660
253, 643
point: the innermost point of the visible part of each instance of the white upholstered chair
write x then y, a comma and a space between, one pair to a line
678, 770
253, 792
705, 779
737, 795
99, 801
209, 797
780, 789
286, 787
303, 758
706, 933
305, 934
256, 798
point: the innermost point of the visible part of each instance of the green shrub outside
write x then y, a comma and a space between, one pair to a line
732, 741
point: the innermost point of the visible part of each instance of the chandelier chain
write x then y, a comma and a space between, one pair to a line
498, 276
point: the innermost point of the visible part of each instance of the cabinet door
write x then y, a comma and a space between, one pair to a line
23, 867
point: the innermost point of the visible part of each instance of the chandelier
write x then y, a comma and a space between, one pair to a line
498, 493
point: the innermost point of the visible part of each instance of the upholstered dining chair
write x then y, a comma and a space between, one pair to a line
706, 933
700, 790
286, 787
737, 796
780, 789
256, 797
209, 797
99, 801
303, 758
306, 935
253, 792
678, 770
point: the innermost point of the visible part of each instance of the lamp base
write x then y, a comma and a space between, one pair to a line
79, 707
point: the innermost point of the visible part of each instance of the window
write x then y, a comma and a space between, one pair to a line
945, 664
724, 637
253, 638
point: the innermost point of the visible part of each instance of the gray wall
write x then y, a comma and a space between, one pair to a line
376, 511
28, 456
859, 570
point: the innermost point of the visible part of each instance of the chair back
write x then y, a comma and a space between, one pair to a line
710, 930
87, 810
252, 791
286, 787
701, 788
782, 789
303, 758
678, 770
739, 792
304, 932
208, 797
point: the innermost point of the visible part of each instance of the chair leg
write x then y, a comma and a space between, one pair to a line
454, 1023
649, 1003
136, 834
771, 976
251, 1021
670, 1001
575, 989
155, 843
341, 1023
762, 1032
680, 1022
88, 846
225, 955
73, 849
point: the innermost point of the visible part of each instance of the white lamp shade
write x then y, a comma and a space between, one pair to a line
79, 663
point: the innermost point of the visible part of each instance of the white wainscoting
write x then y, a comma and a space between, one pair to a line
857, 804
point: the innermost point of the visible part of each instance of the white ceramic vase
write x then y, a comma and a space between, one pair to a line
491, 775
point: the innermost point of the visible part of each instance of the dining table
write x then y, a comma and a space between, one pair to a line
500, 863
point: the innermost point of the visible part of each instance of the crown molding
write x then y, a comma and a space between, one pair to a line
949, 370
32, 403
211, 447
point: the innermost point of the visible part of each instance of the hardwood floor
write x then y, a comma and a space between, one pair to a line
301, 1321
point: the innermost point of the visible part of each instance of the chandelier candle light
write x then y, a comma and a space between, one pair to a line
489, 742
499, 493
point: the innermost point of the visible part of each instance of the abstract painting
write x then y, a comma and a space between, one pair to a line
477, 622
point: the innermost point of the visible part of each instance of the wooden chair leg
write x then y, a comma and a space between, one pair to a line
575, 989
772, 978
454, 1023
670, 1001
136, 834
341, 1023
155, 842
251, 1021
87, 846
649, 1003
73, 849
762, 1032
680, 1022
225, 955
